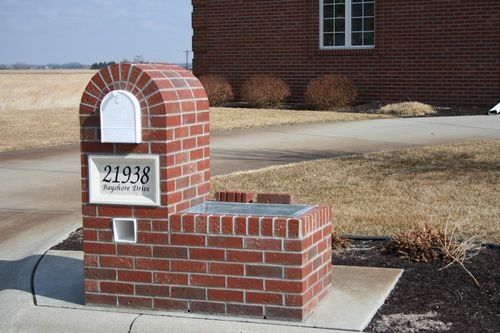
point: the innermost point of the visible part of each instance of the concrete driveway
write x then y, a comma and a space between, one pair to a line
40, 189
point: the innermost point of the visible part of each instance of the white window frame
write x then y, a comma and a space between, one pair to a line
348, 25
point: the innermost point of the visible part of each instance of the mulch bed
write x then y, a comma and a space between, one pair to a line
430, 299
74, 242
426, 299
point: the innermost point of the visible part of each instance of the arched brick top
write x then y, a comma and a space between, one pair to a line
160, 88
175, 126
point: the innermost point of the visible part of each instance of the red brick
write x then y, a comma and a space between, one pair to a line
253, 226
275, 198
208, 307
100, 299
295, 245
298, 273
188, 293
188, 266
263, 244
284, 258
225, 242
207, 280
155, 213
264, 271
170, 304
244, 256
170, 252
264, 298
285, 286
170, 278
99, 248
280, 227
187, 240
240, 225
214, 225
151, 290
99, 273
96, 222
135, 302
227, 225
116, 287
134, 250
90, 260
91, 286
117, 262
152, 238
188, 223
152, 264
225, 268
134, 276
225, 295
201, 224
245, 310
114, 211
284, 313
90, 235
245, 283
206, 254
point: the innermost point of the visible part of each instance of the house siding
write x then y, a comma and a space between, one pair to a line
436, 51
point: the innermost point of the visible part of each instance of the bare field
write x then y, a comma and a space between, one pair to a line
385, 193
40, 109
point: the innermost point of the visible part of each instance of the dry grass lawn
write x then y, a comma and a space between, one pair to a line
40, 108
385, 193
233, 118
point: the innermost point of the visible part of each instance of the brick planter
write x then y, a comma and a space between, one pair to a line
260, 266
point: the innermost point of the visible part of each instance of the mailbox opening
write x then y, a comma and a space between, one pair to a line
125, 230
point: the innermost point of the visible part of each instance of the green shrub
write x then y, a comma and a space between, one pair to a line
218, 90
331, 91
265, 91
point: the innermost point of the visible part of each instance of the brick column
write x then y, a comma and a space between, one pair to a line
175, 126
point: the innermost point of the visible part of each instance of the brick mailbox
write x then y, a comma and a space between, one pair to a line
151, 238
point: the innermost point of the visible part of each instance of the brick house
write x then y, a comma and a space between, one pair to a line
436, 51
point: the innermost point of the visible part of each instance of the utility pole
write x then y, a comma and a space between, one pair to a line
187, 58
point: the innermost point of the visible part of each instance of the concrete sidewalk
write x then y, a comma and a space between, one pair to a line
356, 295
257, 148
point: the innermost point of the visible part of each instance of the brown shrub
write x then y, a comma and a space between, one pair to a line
423, 245
265, 91
431, 243
218, 90
339, 243
331, 91
407, 109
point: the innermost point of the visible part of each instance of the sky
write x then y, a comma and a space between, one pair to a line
88, 31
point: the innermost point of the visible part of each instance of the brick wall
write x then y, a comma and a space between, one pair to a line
175, 126
275, 268
238, 265
437, 51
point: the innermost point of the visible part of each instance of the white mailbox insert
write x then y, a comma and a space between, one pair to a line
124, 180
120, 118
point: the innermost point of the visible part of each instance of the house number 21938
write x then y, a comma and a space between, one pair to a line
124, 180
123, 175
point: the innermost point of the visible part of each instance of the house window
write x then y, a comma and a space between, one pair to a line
347, 24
